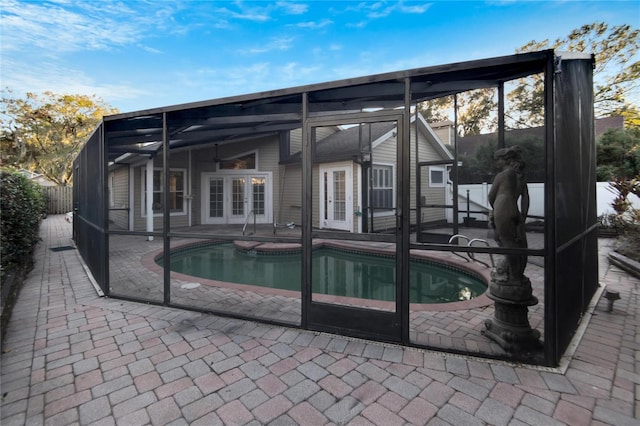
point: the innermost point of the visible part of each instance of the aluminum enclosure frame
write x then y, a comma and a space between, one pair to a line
570, 248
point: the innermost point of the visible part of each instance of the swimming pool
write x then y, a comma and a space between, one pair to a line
336, 272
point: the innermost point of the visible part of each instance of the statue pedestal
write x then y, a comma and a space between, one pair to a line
510, 326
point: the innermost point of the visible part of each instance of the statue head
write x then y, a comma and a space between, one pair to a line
511, 157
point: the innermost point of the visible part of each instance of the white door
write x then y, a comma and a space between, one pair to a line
232, 198
336, 197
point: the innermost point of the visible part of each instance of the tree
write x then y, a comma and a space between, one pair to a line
616, 83
476, 111
44, 133
618, 153
435, 110
616, 73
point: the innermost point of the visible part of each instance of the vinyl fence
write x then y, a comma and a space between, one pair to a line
59, 199
476, 197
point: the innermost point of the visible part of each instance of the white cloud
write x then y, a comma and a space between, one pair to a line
382, 9
414, 8
53, 28
275, 44
292, 8
48, 76
315, 24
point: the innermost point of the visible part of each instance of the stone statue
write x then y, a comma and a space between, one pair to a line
509, 287
507, 219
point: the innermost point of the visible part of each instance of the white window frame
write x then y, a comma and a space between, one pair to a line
112, 186
443, 171
143, 199
391, 211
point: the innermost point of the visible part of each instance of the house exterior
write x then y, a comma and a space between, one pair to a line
354, 172
38, 178
148, 180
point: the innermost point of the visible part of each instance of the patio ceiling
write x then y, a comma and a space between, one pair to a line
235, 118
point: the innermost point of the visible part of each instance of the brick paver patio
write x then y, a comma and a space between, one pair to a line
72, 357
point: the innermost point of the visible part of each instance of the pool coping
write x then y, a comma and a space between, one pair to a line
148, 261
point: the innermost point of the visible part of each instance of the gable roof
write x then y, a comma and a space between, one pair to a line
352, 142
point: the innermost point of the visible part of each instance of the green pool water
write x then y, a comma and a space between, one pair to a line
335, 272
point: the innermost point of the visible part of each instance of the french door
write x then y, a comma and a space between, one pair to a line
336, 197
229, 199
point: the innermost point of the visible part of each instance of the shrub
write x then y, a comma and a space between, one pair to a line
627, 219
21, 211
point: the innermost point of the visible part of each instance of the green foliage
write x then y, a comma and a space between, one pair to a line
616, 82
618, 154
44, 133
478, 111
481, 167
627, 218
435, 110
21, 210
616, 75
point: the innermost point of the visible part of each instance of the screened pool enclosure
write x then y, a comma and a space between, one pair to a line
337, 207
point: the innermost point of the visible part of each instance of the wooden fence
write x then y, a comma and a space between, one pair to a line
59, 199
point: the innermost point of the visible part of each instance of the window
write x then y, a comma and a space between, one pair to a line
382, 187
436, 176
244, 162
175, 202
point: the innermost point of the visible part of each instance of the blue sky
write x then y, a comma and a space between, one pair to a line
150, 53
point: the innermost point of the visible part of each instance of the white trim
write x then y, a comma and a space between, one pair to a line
205, 178
435, 139
184, 190
111, 186
391, 211
567, 56
444, 176
324, 222
132, 197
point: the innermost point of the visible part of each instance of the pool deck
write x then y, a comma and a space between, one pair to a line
72, 357
454, 326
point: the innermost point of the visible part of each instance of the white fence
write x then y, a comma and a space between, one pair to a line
476, 198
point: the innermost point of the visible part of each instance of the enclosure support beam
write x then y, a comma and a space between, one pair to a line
550, 315
456, 230
307, 206
149, 195
402, 237
165, 211
501, 142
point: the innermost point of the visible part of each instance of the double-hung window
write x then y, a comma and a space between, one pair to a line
382, 187
436, 177
175, 202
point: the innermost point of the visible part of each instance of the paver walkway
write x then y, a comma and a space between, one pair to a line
71, 357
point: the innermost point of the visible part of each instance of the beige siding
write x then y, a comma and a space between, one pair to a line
179, 160
386, 153
119, 198
290, 209
287, 180
202, 161
295, 141
426, 152
444, 131
292, 198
